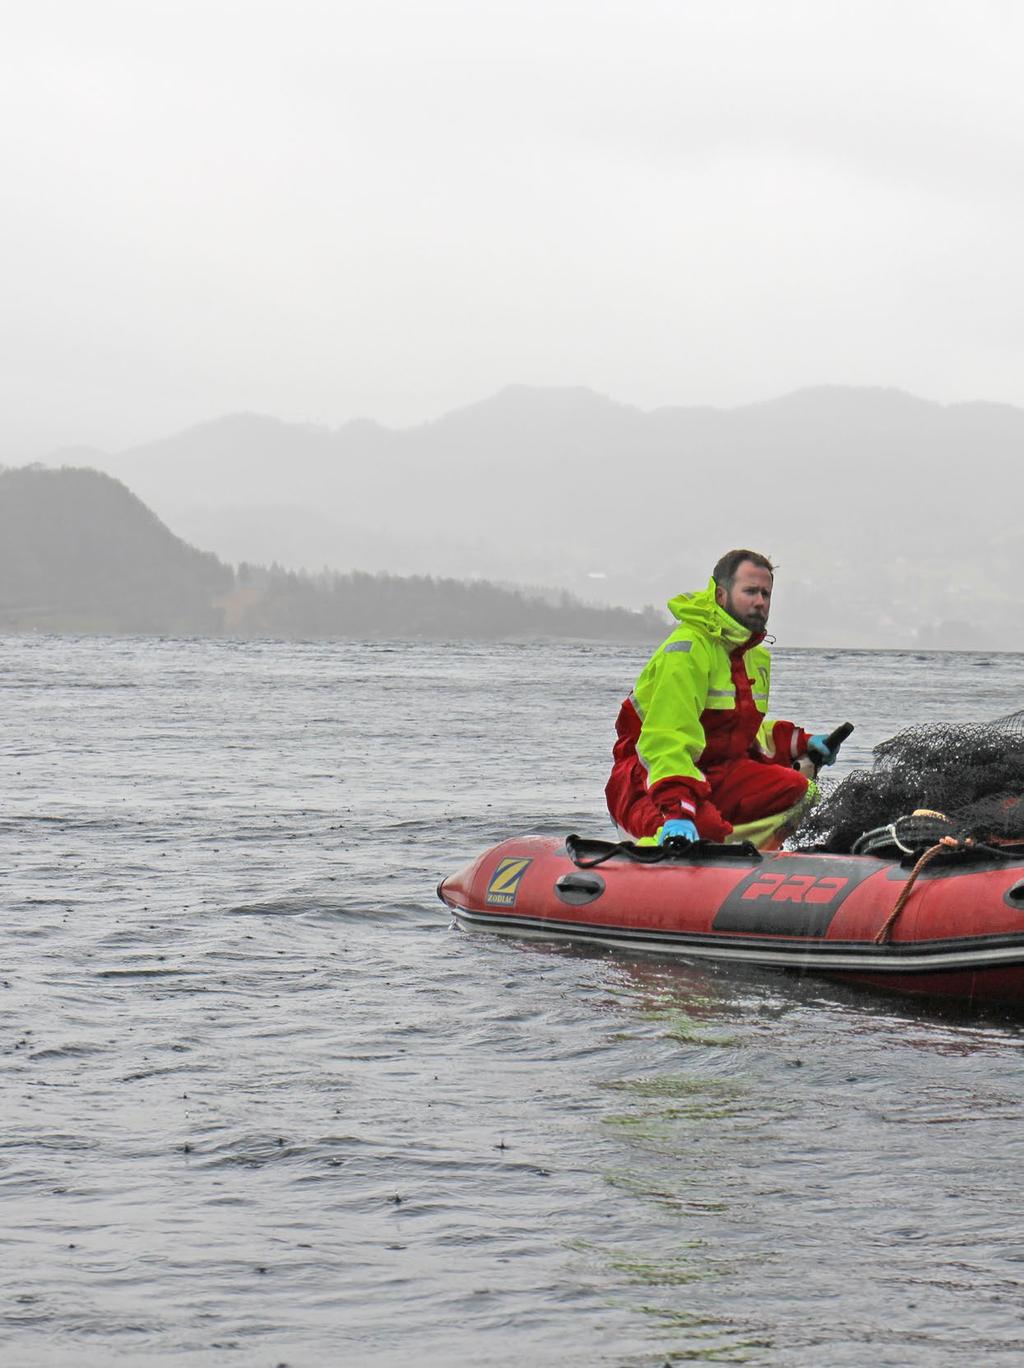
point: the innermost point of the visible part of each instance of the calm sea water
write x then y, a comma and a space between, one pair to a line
263, 1105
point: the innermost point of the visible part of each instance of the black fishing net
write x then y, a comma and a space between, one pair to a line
927, 782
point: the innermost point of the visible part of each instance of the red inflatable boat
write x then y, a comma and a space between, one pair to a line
949, 925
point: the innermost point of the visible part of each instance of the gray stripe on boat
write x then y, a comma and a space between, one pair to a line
870, 957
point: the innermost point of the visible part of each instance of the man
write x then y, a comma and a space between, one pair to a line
696, 753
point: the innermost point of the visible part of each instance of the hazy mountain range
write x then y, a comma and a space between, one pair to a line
893, 520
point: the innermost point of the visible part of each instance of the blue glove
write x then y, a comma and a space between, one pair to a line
681, 828
820, 751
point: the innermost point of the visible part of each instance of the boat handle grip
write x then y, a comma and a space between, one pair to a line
579, 888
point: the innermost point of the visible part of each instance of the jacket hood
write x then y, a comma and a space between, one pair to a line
700, 610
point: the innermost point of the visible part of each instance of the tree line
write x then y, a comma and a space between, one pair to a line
79, 552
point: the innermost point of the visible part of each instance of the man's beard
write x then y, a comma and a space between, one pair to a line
753, 620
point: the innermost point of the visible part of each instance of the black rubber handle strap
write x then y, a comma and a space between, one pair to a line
588, 853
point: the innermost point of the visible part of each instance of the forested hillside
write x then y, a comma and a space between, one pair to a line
79, 552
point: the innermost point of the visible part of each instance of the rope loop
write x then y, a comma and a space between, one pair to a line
946, 845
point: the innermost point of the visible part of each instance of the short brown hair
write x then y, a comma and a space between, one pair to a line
724, 572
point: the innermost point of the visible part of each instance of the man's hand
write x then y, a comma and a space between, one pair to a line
678, 828
820, 751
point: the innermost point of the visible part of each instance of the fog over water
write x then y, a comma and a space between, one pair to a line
536, 293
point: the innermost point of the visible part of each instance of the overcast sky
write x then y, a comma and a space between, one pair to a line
324, 209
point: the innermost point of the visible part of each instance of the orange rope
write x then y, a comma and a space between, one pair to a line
945, 845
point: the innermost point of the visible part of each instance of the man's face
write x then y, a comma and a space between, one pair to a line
750, 597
